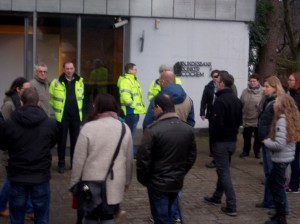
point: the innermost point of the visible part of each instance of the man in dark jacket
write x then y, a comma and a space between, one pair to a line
167, 153
28, 136
226, 119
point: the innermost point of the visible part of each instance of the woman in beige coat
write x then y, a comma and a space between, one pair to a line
94, 150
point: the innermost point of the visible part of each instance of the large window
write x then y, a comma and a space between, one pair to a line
56, 41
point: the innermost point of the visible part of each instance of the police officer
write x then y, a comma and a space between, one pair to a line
131, 97
66, 99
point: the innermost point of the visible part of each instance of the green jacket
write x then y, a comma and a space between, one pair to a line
57, 92
130, 95
155, 88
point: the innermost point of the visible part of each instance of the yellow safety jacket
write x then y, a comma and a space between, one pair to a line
130, 95
155, 88
57, 100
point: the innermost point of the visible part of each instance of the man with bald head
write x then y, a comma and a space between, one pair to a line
183, 104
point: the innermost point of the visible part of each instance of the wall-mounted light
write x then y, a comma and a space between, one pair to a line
157, 24
120, 22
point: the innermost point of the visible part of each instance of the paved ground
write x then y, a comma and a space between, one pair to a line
247, 176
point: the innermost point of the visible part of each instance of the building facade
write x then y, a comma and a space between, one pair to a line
100, 36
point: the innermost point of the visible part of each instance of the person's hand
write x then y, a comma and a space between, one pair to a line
203, 118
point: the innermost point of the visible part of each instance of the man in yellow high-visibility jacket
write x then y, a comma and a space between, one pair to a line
66, 99
131, 97
155, 88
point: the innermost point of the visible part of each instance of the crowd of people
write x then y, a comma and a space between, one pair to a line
168, 148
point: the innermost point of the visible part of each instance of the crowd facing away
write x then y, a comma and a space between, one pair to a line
102, 151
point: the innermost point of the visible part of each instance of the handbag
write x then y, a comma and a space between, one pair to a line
91, 195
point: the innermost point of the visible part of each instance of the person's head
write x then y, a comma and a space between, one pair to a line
166, 78
69, 69
253, 80
130, 68
294, 81
225, 80
30, 96
163, 103
215, 76
41, 71
164, 68
104, 102
285, 104
273, 87
18, 86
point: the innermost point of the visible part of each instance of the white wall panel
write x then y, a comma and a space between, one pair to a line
245, 10
48, 6
224, 44
225, 9
184, 8
205, 9
23, 5
5, 5
140, 8
94, 6
162, 8
71, 6
117, 7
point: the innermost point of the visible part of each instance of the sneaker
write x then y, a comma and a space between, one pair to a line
292, 191
228, 211
151, 218
4, 213
273, 212
177, 221
257, 156
212, 200
212, 164
262, 205
244, 154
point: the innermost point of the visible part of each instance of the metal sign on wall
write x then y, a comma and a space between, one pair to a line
192, 68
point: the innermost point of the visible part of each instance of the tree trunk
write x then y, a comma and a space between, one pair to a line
268, 53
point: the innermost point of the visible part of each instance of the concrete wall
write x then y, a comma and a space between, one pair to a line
238, 10
224, 44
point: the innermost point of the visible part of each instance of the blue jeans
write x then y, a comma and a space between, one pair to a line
4, 198
268, 165
222, 152
132, 120
40, 197
277, 182
161, 206
175, 208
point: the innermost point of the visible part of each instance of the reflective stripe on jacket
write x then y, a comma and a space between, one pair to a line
155, 88
130, 95
57, 91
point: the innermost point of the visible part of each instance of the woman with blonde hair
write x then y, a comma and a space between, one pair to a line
284, 133
272, 88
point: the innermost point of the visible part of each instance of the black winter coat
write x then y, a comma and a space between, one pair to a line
28, 136
265, 118
227, 116
167, 153
207, 100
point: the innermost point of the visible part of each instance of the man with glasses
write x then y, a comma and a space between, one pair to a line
41, 84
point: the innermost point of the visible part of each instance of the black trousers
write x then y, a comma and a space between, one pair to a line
63, 127
247, 134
